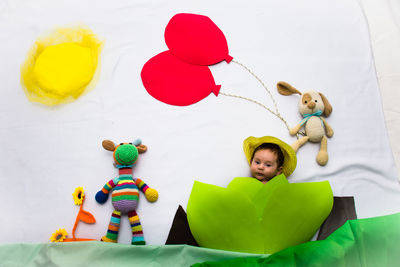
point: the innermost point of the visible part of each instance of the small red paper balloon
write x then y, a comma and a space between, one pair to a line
174, 82
196, 39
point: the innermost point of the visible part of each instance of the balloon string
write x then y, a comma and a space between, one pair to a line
277, 113
261, 82
258, 103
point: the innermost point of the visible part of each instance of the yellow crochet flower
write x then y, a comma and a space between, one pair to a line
78, 195
59, 235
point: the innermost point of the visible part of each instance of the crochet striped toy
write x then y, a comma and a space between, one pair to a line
125, 191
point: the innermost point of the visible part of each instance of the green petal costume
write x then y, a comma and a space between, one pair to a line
249, 216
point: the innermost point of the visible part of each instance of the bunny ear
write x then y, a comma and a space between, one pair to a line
328, 106
286, 89
108, 145
137, 142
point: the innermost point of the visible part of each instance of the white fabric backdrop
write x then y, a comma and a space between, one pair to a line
47, 152
384, 24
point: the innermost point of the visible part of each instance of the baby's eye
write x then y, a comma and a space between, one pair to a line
257, 162
268, 165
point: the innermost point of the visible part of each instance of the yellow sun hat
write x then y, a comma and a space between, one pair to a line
290, 160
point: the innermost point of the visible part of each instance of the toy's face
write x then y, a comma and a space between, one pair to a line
311, 102
125, 154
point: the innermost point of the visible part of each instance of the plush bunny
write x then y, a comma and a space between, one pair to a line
312, 107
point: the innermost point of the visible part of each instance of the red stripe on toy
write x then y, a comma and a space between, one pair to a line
116, 215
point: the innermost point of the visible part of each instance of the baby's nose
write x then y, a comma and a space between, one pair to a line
311, 105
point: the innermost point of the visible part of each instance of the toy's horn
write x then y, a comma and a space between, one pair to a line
137, 142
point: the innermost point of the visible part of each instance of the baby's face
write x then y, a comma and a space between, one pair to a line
264, 165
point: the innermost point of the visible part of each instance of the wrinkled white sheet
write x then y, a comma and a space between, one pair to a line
47, 152
384, 24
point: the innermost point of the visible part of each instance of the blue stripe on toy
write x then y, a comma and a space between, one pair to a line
135, 224
112, 232
131, 186
137, 238
115, 220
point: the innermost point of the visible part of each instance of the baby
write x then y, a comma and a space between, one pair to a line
267, 162
268, 157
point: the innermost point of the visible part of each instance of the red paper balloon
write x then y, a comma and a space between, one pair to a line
175, 82
196, 39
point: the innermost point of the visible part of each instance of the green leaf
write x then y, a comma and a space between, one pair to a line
223, 219
249, 216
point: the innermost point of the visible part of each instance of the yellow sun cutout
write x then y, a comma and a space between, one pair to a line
62, 66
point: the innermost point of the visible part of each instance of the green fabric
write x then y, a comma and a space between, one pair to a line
249, 216
99, 254
365, 242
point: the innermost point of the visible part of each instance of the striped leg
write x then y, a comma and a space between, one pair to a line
113, 228
137, 231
